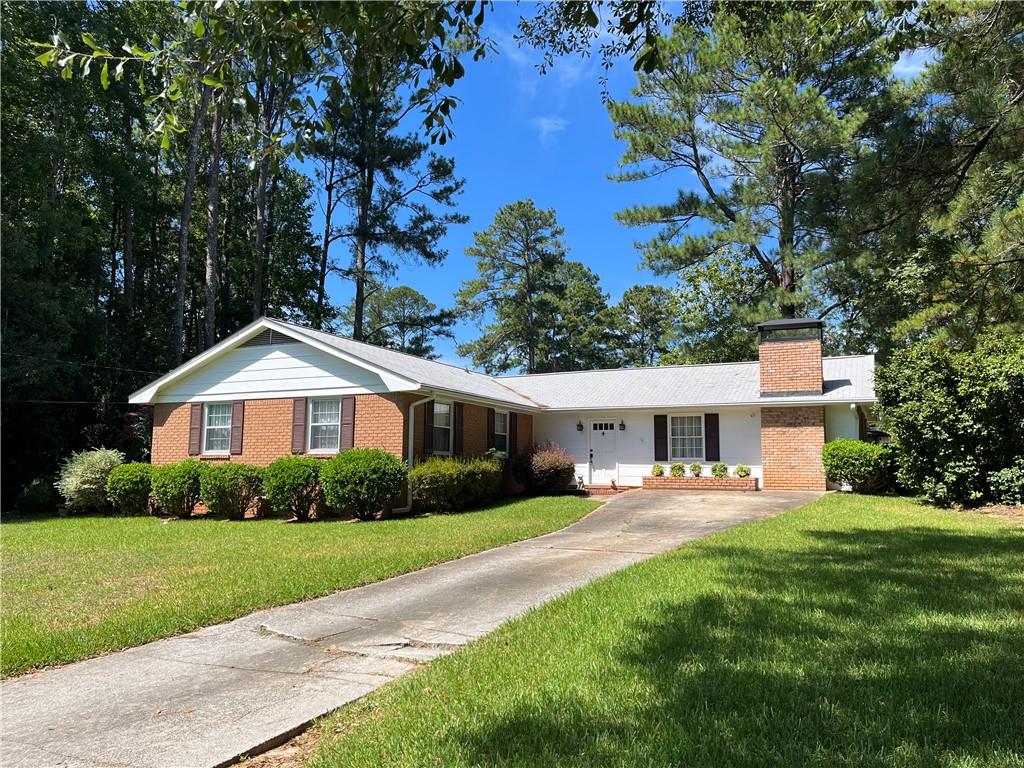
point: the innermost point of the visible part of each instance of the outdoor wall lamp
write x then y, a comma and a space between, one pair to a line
622, 426
579, 426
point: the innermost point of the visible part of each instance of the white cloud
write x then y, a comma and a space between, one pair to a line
912, 63
548, 128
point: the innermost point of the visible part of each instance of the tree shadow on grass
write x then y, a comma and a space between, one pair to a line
900, 647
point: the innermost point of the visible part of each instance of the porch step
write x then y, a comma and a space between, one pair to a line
609, 490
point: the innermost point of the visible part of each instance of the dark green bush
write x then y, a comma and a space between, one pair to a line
657, 471
128, 488
447, 485
230, 489
83, 478
742, 470
544, 469
720, 469
176, 487
696, 468
1008, 484
292, 486
363, 482
37, 498
677, 470
863, 466
955, 417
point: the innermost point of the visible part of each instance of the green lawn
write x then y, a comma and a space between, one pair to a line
76, 587
853, 632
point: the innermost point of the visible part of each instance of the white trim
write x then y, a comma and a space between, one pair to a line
309, 427
703, 438
433, 426
508, 426
203, 450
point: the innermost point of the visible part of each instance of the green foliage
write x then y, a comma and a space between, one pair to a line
442, 484
544, 468
404, 319
83, 478
657, 471
230, 489
1008, 484
742, 470
37, 498
363, 482
128, 488
864, 466
678, 469
720, 470
642, 323
176, 487
696, 468
292, 486
955, 417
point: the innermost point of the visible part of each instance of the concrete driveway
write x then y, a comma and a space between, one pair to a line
208, 697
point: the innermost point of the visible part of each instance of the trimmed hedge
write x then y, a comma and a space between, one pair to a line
83, 478
292, 486
544, 468
230, 489
864, 466
696, 468
129, 486
742, 470
677, 470
362, 482
442, 484
720, 469
657, 471
176, 487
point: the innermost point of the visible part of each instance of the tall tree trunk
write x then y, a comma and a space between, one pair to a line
266, 93
321, 288
128, 248
787, 232
362, 238
186, 214
213, 227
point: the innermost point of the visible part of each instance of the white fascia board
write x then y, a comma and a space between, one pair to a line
734, 404
463, 397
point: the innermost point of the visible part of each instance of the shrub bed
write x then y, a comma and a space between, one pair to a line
544, 468
442, 484
83, 478
230, 489
292, 486
129, 486
863, 466
1008, 484
176, 487
363, 482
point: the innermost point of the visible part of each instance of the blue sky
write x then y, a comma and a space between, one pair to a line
521, 134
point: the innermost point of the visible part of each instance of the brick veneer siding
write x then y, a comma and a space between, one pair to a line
790, 366
791, 442
474, 430
701, 483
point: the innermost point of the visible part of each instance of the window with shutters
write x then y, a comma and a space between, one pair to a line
501, 431
686, 438
217, 428
324, 425
442, 428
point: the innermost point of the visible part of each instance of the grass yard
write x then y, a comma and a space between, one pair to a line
76, 587
855, 631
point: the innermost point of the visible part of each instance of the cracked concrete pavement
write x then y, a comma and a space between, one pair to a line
206, 698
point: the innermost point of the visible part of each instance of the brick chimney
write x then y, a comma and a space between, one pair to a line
789, 352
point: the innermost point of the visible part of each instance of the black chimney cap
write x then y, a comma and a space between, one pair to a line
796, 322
793, 329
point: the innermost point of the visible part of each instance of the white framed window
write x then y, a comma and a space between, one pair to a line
324, 425
442, 428
501, 431
686, 438
217, 428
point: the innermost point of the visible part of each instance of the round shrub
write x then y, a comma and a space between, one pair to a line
176, 487
863, 466
230, 489
544, 469
292, 486
83, 478
677, 470
720, 470
128, 488
446, 485
657, 471
742, 470
1008, 484
37, 498
362, 482
696, 468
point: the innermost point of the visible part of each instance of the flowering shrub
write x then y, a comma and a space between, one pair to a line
544, 468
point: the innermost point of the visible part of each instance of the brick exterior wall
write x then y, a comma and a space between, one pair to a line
791, 442
474, 430
791, 366
700, 483
380, 422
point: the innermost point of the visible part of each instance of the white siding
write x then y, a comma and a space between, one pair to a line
841, 421
281, 370
739, 433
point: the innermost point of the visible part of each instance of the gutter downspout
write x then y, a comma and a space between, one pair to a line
411, 449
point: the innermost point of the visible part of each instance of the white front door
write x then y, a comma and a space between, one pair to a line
604, 466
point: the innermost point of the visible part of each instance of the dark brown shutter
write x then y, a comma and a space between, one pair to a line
299, 425
237, 423
428, 428
195, 429
457, 413
348, 422
490, 429
712, 452
513, 434
661, 438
